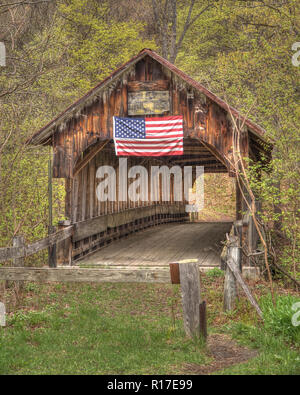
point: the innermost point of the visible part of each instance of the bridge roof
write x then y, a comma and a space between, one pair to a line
42, 136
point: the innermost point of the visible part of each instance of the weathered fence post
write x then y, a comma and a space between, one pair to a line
52, 249
203, 320
230, 286
187, 274
64, 248
18, 242
190, 289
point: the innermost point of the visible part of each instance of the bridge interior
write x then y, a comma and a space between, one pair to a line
163, 244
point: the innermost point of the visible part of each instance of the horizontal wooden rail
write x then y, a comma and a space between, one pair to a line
74, 274
8, 253
134, 274
98, 224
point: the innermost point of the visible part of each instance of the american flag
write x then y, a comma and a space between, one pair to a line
148, 136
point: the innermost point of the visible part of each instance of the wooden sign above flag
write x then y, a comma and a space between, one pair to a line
148, 102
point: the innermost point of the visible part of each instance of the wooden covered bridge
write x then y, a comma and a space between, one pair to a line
82, 141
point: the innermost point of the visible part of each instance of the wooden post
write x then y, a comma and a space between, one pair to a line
52, 249
230, 286
50, 191
238, 231
51, 228
18, 241
64, 248
253, 237
203, 320
190, 289
238, 201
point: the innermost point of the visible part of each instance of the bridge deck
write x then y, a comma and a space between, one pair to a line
164, 244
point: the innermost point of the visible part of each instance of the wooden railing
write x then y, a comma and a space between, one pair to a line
75, 241
22, 251
95, 233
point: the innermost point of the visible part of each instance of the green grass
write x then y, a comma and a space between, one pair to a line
132, 329
215, 273
275, 357
107, 329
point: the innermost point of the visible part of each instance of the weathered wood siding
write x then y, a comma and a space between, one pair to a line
81, 191
202, 119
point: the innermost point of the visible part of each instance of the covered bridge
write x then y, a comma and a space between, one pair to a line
82, 141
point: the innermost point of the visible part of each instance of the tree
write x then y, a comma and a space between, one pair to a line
172, 25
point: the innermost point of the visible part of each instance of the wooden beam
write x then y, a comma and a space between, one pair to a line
90, 227
74, 274
201, 159
98, 273
214, 152
158, 85
87, 158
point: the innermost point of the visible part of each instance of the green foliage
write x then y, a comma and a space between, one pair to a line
215, 273
278, 319
57, 62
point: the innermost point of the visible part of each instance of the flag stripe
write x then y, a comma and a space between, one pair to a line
157, 153
163, 129
151, 140
148, 136
157, 147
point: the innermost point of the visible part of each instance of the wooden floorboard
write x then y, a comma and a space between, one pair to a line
163, 244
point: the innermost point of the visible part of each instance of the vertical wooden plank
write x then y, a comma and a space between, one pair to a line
238, 201
64, 248
68, 197
124, 105
92, 194
230, 286
83, 193
183, 109
190, 289
111, 113
175, 101
52, 249
140, 70
190, 111
203, 319
75, 198
18, 241
104, 116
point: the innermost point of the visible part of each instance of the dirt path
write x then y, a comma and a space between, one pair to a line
225, 352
